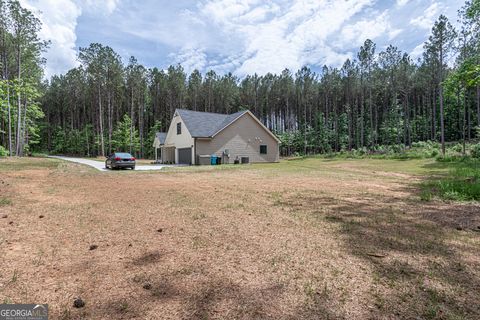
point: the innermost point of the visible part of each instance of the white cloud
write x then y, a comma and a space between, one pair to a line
357, 33
417, 52
426, 20
401, 3
59, 21
240, 36
99, 6
392, 34
190, 59
274, 37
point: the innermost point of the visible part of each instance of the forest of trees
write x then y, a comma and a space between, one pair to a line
375, 99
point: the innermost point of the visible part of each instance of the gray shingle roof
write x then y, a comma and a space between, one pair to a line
206, 124
161, 136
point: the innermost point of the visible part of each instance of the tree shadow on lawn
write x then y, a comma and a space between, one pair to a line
424, 255
206, 297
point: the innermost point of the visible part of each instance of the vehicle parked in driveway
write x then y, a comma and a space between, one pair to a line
119, 160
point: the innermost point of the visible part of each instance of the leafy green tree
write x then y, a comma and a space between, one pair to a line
157, 127
124, 139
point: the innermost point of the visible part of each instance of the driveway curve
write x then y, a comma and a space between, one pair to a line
101, 165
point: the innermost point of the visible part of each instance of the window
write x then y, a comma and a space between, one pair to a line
179, 128
263, 149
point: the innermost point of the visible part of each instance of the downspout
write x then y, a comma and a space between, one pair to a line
194, 151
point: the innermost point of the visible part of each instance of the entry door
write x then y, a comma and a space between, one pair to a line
185, 156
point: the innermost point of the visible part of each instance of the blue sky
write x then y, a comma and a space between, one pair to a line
242, 37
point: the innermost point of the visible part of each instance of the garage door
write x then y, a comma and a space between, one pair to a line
185, 156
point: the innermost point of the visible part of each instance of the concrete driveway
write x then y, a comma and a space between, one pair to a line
101, 165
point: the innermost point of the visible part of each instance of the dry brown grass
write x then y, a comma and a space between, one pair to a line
310, 239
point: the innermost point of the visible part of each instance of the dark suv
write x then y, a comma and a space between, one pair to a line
120, 160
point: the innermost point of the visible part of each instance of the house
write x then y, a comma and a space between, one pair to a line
157, 143
193, 137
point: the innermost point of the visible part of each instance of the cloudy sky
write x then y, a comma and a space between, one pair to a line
238, 36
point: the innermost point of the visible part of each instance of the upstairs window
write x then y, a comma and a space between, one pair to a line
179, 128
263, 149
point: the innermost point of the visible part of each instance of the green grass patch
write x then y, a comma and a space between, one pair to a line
5, 202
27, 163
459, 182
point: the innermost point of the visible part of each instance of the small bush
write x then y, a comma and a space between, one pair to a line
458, 148
396, 148
426, 194
475, 151
3, 152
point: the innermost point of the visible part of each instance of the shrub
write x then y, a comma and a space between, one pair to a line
396, 148
475, 151
3, 152
458, 148
362, 151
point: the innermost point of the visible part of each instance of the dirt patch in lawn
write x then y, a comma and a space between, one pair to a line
330, 240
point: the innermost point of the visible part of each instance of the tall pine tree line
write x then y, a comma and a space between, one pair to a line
377, 98
20, 81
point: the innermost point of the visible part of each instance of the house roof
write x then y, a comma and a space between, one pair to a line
161, 137
207, 124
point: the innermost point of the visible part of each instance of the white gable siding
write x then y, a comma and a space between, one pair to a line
243, 139
183, 140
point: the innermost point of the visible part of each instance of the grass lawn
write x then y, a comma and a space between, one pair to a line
302, 239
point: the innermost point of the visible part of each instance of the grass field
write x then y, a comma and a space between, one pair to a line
302, 239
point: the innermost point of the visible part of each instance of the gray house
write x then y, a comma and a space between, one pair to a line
193, 137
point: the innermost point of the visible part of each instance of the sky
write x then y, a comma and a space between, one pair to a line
238, 36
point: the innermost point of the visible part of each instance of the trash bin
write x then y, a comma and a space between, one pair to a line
219, 160
213, 159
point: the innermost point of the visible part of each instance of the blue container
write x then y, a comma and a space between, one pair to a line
213, 159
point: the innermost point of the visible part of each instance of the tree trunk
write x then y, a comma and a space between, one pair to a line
305, 130
362, 110
478, 105
372, 138
407, 122
464, 118
24, 126
434, 115
9, 111
131, 123
110, 113
100, 118
442, 124
19, 107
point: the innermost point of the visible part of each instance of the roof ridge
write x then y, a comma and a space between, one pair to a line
217, 113
225, 124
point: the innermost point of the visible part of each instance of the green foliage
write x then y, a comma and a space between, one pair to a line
3, 152
462, 182
72, 142
149, 150
391, 129
475, 151
125, 137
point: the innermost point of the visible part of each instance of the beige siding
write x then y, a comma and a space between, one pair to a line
179, 141
243, 139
